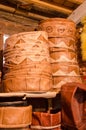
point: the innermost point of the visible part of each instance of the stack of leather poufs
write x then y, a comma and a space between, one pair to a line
27, 63
73, 100
15, 113
62, 47
27, 68
62, 37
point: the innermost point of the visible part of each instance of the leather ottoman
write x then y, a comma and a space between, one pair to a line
73, 98
45, 120
15, 117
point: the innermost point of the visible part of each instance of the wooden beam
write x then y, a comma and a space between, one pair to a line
22, 13
78, 13
18, 19
49, 6
77, 1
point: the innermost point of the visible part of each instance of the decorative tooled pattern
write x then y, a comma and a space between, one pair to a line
23, 47
56, 27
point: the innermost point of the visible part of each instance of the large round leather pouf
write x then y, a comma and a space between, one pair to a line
27, 63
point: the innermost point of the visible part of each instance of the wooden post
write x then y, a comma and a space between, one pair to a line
78, 13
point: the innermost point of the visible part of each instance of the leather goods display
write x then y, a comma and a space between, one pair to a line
73, 99
62, 47
45, 120
15, 117
27, 59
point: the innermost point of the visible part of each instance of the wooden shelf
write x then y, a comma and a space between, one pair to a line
30, 94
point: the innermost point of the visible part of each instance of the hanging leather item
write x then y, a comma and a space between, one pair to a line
73, 106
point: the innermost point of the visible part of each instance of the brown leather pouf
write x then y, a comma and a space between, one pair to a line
45, 120
73, 97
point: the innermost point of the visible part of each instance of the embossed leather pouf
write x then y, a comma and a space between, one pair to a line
62, 46
73, 106
26, 60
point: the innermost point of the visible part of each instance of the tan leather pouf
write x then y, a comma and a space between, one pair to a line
27, 63
15, 117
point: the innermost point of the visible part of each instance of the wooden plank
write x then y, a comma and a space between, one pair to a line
29, 94
18, 19
49, 6
22, 13
41, 95
78, 13
36, 127
76, 1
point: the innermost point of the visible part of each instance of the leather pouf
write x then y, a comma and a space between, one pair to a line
73, 96
27, 63
44, 120
15, 117
62, 47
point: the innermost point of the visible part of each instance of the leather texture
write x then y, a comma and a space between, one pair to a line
62, 46
45, 120
58, 27
73, 99
15, 117
26, 60
66, 43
